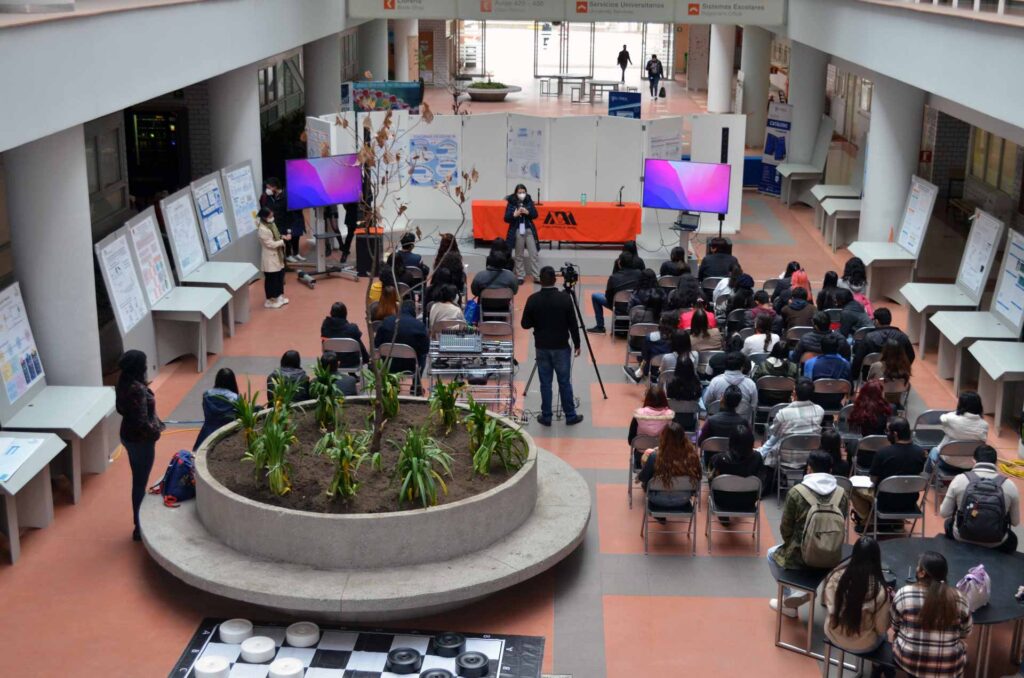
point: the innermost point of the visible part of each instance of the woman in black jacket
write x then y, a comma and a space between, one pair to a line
140, 427
522, 234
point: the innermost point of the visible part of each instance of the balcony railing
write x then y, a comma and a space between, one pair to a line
999, 11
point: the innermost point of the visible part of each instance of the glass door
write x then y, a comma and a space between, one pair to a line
472, 48
658, 39
579, 49
550, 45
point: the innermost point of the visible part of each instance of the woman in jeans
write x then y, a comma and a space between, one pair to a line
675, 457
140, 427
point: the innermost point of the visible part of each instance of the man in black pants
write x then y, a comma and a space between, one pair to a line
624, 61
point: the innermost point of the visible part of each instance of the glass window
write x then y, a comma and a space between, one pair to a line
90, 166
262, 79
866, 89
992, 160
108, 146
1008, 173
979, 149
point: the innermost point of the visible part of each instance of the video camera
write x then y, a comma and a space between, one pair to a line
570, 276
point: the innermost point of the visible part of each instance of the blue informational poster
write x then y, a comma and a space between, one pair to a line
776, 145
434, 158
624, 104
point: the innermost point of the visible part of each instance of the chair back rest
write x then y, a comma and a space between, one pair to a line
861, 332
642, 329
643, 442
800, 442
669, 282
415, 273
679, 484
621, 297
738, 315
738, 484
846, 484
772, 413
872, 443
770, 383
396, 351
703, 358
716, 444
714, 407
442, 325
770, 284
495, 328
869, 360
341, 345
835, 315
902, 485
748, 332
709, 284
960, 448
497, 293
832, 386
795, 333
683, 406
929, 419
403, 290
759, 357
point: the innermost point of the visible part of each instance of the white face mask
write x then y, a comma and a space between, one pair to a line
270, 220
521, 196
269, 191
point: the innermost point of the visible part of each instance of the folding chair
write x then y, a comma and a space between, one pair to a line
371, 331
347, 347
735, 321
637, 445
709, 448
396, 351
651, 513
792, 458
442, 325
498, 294
708, 285
879, 657
703, 360
831, 387
867, 444
794, 334
861, 332
842, 424
637, 332
914, 485
897, 392
756, 358
865, 366
620, 321
747, 332
773, 411
713, 408
770, 284
730, 484
928, 431
835, 315
772, 385
496, 329
939, 479
686, 407
669, 282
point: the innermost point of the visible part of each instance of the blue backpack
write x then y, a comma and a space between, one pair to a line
472, 312
179, 481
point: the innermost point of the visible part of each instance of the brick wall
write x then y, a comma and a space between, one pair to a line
952, 138
197, 101
441, 75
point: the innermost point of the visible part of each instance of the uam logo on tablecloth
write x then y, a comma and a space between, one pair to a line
693, 9
582, 6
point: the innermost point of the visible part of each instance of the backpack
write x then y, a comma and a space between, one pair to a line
982, 515
179, 481
472, 312
824, 529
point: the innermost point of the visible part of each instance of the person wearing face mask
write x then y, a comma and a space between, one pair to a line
274, 199
272, 244
522, 234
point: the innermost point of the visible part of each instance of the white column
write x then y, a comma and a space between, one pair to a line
894, 138
723, 47
755, 62
372, 47
51, 239
235, 119
807, 73
403, 29
321, 74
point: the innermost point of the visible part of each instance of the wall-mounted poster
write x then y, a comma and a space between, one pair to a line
125, 291
20, 366
525, 153
434, 158
242, 193
156, 274
210, 205
180, 221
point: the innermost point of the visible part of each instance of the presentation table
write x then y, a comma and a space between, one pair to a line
184, 306
73, 413
823, 192
888, 265
925, 299
27, 495
958, 330
595, 222
232, 276
836, 210
1000, 363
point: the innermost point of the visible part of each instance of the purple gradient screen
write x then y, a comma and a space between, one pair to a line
693, 186
315, 182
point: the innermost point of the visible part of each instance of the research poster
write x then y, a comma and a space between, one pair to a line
434, 158
14, 452
318, 138
920, 201
181, 227
525, 153
1010, 290
20, 366
210, 205
776, 146
123, 285
242, 192
156, 274
976, 263
665, 147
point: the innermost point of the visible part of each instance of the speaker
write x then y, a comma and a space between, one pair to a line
725, 145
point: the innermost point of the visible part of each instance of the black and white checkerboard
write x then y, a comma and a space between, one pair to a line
344, 652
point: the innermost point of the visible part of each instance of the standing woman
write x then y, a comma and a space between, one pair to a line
522, 234
140, 427
272, 245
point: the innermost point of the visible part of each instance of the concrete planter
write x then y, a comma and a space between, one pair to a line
492, 94
364, 541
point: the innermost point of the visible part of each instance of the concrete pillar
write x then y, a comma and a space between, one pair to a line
755, 62
697, 57
807, 74
720, 65
51, 239
403, 29
894, 138
321, 74
235, 119
372, 48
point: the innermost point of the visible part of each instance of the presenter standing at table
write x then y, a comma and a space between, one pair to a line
522, 234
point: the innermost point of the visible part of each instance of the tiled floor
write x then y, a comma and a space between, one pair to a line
86, 601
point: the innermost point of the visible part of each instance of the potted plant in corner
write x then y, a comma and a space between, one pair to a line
490, 91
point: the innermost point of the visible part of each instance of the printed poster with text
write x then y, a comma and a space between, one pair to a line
20, 366
122, 283
434, 158
244, 205
156, 276
776, 146
525, 153
210, 204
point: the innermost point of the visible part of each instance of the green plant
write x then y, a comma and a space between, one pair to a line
419, 459
348, 451
324, 387
246, 411
498, 441
442, 403
480, 84
282, 395
269, 454
385, 389
476, 421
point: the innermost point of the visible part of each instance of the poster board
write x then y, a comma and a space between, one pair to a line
183, 232
1008, 302
526, 162
124, 288
663, 139
572, 157
21, 369
916, 215
979, 253
318, 137
214, 216
148, 248
436, 153
620, 159
240, 191
484, 147
707, 147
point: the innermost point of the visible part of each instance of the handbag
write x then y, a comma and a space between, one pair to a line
472, 312
976, 587
661, 93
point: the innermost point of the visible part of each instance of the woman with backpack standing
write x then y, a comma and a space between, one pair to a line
140, 427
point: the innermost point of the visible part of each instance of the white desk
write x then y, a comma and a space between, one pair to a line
599, 87
836, 209
823, 192
924, 299
889, 267
1001, 362
958, 330
184, 306
28, 497
793, 171
233, 276
74, 413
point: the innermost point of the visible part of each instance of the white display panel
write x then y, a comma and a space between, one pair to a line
707, 147
663, 139
318, 137
1008, 302
183, 232
527, 155
20, 366
123, 285
240, 187
573, 157
620, 158
14, 452
149, 252
916, 215
660, 11
976, 263
435, 151
212, 212
484, 146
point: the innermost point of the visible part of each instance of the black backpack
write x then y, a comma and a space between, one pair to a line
982, 514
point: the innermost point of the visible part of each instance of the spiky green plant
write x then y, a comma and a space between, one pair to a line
348, 451
442, 403
420, 463
282, 395
505, 444
386, 392
324, 387
246, 411
476, 421
269, 454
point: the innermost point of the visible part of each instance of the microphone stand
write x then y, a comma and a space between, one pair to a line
538, 202
620, 203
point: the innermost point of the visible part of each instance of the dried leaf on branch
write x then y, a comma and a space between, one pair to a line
425, 113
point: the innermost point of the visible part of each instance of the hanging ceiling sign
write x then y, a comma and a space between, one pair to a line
525, 10
746, 12
402, 9
662, 11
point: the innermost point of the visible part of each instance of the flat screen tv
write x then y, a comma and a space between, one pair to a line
315, 182
690, 186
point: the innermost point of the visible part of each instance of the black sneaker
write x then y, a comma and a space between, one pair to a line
574, 420
596, 329
631, 374
544, 421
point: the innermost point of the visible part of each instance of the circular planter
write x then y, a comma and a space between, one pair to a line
492, 94
365, 541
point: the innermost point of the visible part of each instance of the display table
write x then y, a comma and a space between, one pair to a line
595, 222
958, 330
889, 267
925, 299
1001, 363
823, 192
181, 308
28, 497
233, 276
836, 210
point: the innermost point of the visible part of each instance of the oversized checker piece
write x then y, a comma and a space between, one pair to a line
343, 652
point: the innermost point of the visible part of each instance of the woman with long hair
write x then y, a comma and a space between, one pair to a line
522, 234
894, 365
675, 457
855, 275
653, 416
763, 340
218, 404
387, 305
686, 293
966, 423
827, 297
784, 279
869, 416
449, 258
931, 620
649, 294
858, 601
741, 299
704, 334
654, 344
741, 460
832, 442
728, 285
140, 425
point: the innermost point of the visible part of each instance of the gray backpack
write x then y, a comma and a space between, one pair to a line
824, 529
982, 514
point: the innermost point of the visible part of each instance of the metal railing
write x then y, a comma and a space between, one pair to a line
1005, 11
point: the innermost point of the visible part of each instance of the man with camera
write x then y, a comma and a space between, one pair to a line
552, 317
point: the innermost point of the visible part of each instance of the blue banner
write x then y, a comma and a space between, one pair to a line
624, 104
776, 143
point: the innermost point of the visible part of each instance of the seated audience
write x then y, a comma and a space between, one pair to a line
763, 340
741, 460
500, 247
855, 279
409, 258
347, 384
411, 332
440, 279
966, 423
931, 621
716, 364
684, 386
676, 457
875, 340
654, 415
629, 247
681, 348
625, 277
982, 506
853, 316
893, 367
828, 365
718, 261
869, 417
676, 265
449, 259
784, 279
721, 424
857, 599
654, 344
827, 296
444, 306
290, 370
802, 416
387, 305
686, 293
218, 404
337, 326
762, 306
797, 313
741, 300
811, 341
901, 457
777, 364
832, 443
704, 334
798, 280
495, 277
729, 284
648, 296
733, 376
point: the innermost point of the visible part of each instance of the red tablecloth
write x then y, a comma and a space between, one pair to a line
564, 221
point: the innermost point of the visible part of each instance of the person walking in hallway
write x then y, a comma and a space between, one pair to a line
140, 427
624, 61
655, 72
522, 234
